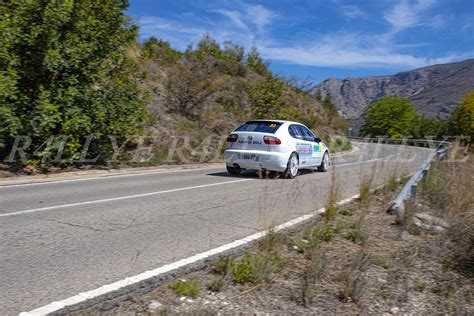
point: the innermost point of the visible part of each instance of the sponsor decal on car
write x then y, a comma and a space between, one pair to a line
304, 149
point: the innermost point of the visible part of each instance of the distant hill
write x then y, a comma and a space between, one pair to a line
435, 90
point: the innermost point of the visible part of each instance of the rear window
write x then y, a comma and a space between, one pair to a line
259, 127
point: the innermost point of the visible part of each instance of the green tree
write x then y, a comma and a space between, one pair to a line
429, 127
462, 119
63, 70
208, 47
391, 116
233, 52
256, 63
160, 50
268, 100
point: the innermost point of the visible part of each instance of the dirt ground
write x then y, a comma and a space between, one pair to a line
365, 262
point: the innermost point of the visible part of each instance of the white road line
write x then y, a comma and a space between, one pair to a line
84, 296
104, 177
136, 173
365, 161
48, 208
34, 210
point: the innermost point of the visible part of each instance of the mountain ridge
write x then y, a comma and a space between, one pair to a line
434, 90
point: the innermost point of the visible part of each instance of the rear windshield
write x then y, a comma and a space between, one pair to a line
259, 126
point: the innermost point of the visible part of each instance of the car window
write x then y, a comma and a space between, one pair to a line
295, 132
307, 134
259, 127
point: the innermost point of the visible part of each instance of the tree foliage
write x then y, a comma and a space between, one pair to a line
268, 99
462, 119
391, 116
256, 63
160, 50
63, 71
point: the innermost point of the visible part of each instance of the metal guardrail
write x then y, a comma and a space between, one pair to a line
411, 187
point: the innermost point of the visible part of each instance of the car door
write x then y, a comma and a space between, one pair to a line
303, 147
316, 147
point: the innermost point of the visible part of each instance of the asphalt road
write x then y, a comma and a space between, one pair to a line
62, 238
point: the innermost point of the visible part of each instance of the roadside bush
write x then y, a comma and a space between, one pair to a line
338, 144
186, 288
65, 71
256, 268
267, 243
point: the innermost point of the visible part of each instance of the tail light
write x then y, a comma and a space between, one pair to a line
232, 138
270, 140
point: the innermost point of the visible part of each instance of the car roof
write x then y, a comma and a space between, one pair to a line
276, 121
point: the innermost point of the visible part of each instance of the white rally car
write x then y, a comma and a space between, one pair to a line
275, 145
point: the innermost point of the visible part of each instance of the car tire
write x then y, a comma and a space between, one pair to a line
234, 171
324, 167
292, 167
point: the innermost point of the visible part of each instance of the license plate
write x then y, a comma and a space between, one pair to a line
251, 157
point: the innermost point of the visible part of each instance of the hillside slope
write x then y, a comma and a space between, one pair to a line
435, 90
202, 94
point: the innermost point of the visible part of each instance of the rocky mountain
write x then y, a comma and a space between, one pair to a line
435, 90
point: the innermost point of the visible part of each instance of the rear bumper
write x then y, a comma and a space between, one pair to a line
274, 161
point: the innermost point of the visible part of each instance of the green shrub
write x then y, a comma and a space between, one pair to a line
224, 266
186, 288
65, 71
256, 268
269, 240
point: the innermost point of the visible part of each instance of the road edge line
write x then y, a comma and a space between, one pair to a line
115, 286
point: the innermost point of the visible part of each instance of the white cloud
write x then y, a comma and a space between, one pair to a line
352, 50
235, 17
248, 25
407, 14
260, 16
342, 51
352, 12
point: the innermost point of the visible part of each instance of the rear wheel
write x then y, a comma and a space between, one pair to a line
235, 171
324, 163
292, 167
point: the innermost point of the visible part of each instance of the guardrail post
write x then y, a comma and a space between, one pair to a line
413, 190
424, 173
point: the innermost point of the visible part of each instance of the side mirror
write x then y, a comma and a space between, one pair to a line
317, 139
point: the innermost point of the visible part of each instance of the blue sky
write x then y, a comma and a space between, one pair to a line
321, 38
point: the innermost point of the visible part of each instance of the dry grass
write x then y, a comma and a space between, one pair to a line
319, 270
333, 196
448, 190
352, 283
365, 189
313, 273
